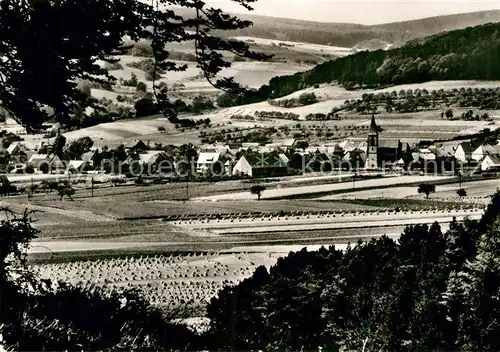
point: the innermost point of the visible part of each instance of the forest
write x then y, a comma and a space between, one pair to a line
466, 54
428, 290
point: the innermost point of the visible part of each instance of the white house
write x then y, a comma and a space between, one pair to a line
464, 152
17, 147
150, 157
262, 165
490, 162
206, 160
483, 150
45, 162
76, 166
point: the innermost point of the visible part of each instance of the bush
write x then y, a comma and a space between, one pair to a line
141, 87
307, 99
113, 66
132, 82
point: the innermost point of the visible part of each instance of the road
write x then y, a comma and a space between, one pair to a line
325, 189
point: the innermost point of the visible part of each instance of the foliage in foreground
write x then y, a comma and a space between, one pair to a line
36, 316
59, 43
427, 291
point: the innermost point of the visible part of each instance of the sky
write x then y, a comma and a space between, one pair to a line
359, 11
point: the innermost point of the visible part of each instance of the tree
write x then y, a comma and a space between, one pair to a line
308, 99
34, 316
65, 189
462, 193
79, 147
257, 190
145, 107
427, 189
69, 37
141, 87
449, 114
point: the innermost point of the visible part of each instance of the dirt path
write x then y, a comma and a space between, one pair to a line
79, 214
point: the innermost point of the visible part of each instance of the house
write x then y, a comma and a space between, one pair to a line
90, 157
490, 163
354, 159
76, 167
135, 145
287, 143
426, 154
46, 163
483, 150
151, 157
399, 165
464, 152
261, 165
348, 145
18, 153
206, 160
446, 151
389, 150
15, 148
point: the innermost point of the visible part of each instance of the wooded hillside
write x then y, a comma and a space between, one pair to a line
468, 54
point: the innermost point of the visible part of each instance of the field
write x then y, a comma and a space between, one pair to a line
311, 191
185, 282
477, 189
298, 46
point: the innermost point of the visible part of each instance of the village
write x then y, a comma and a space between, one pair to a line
143, 162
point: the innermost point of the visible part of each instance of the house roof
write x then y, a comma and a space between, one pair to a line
389, 143
348, 145
76, 164
488, 149
134, 143
88, 156
289, 142
446, 150
14, 145
207, 157
272, 159
53, 159
495, 159
468, 147
149, 157
38, 157
284, 158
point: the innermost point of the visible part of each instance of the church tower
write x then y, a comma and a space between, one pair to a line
372, 149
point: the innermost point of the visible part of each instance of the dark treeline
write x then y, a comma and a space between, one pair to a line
428, 290
471, 53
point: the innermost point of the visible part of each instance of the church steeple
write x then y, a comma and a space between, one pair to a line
372, 150
373, 126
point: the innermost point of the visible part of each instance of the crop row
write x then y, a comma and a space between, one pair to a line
171, 281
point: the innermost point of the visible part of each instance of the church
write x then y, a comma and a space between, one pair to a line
382, 151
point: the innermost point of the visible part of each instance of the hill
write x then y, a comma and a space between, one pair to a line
433, 25
350, 35
466, 54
